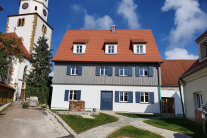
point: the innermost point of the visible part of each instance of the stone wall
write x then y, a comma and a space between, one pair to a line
77, 106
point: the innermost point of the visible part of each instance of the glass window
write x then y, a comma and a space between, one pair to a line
144, 97
123, 71
111, 49
143, 71
198, 100
79, 49
140, 49
123, 96
74, 70
103, 70
73, 95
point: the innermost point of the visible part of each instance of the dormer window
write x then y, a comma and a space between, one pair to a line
111, 48
79, 48
139, 49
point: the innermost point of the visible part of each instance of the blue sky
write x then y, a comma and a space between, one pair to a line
175, 23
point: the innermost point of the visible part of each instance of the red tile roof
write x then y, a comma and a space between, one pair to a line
95, 46
194, 67
24, 50
172, 69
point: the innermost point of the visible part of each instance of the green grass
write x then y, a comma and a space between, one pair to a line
180, 125
79, 124
133, 115
54, 110
131, 131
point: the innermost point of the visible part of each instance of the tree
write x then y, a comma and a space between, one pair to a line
38, 78
10, 50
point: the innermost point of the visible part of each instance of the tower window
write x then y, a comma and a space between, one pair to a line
35, 8
21, 22
44, 29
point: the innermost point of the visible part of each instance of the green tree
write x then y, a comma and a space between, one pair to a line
10, 50
38, 78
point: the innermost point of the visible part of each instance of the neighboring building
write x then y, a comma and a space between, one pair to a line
195, 82
170, 94
29, 25
110, 70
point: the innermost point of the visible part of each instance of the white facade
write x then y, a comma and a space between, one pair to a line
173, 92
91, 94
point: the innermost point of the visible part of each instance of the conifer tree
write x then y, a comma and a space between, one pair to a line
38, 78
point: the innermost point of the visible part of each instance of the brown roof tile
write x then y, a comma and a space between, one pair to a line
96, 39
172, 69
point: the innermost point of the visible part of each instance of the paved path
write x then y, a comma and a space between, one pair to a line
16, 122
105, 130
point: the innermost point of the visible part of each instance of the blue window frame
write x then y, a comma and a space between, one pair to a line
74, 70
143, 71
111, 49
103, 71
140, 49
79, 49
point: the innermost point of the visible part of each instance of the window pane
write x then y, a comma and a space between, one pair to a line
112, 49
80, 49
146, 97
125, 96
75, 95
121, 96
141, 49
141, 71
142, 98
145, 71
138, 49
125, 71
71, 95
106, 71
109, 49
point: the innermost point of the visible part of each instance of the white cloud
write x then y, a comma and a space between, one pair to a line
179, 53
189, 19
92, 22
127, 8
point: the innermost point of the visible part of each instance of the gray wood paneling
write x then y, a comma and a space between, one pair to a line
89, 77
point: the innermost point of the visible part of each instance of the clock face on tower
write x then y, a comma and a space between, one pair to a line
25, 5
45, 12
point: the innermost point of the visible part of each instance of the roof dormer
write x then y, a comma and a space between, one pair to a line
79, 48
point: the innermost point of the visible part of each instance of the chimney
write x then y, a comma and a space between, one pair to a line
113, 28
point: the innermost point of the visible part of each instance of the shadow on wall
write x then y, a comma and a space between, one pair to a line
153, 108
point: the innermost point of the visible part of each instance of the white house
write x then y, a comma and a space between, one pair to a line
108, 69
195, 82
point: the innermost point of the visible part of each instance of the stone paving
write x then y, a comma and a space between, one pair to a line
16, 122
105, 130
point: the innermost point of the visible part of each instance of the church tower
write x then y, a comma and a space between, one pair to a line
30, 23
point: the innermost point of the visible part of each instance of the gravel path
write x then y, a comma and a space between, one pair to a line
105, 130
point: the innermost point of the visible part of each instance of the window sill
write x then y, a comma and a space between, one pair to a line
123, 102
145, 103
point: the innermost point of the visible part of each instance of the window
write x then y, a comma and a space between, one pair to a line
110, 48
139, 48
123, 71
74, 70
198, 100
123, 96
20, 22
143, 71
79, 49
103, 70
72, 95
44, 29
35, 8
144, 97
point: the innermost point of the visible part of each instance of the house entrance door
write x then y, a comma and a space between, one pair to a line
168, 105
106, 100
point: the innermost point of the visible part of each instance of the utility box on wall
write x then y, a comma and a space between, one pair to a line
77, 106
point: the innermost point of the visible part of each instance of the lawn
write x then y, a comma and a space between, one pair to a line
180, 125
79, 124
134, 115
131, 131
